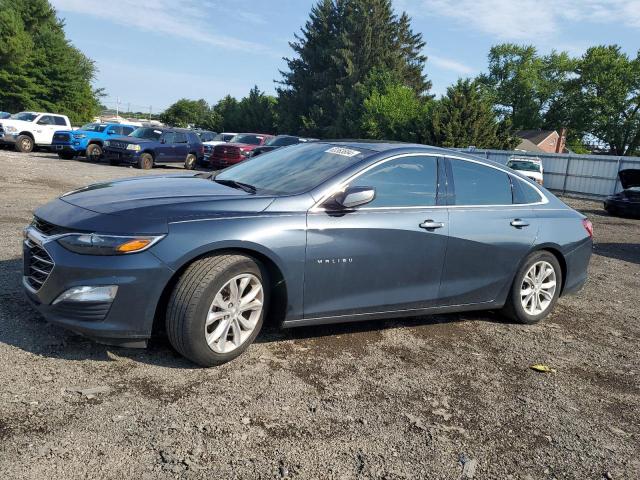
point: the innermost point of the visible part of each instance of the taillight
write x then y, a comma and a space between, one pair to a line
588, 226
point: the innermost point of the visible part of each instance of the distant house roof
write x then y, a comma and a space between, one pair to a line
529, 146
535, 136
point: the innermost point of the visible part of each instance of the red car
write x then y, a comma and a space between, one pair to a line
237, 150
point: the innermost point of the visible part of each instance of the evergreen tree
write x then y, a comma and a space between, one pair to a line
340, 45
257, 112
39, 68
465, 117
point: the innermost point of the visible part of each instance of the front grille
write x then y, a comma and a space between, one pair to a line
230, 153
120, 145
49, 229
38, 264
61, 137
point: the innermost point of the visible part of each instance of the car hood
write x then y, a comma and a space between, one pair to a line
244, 146
629, 178
168, 197
15, 123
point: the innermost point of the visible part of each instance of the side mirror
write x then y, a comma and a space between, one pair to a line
352, 197
163, 140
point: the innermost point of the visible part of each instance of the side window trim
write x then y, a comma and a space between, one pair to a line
334, 188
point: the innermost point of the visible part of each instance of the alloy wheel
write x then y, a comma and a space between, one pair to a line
234, 313
538, 288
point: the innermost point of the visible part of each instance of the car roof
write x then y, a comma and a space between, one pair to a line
398, 148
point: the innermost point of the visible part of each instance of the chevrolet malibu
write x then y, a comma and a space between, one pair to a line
311, 234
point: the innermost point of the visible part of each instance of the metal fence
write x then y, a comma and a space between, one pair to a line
587, 175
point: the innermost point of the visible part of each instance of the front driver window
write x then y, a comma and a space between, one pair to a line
403, 182
169, 137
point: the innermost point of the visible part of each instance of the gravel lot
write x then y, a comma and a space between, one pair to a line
445, 396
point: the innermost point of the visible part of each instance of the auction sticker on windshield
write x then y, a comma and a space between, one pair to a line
347, 152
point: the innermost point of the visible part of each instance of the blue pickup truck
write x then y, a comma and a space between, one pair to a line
88, 140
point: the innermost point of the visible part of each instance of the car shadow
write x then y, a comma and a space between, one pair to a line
627, 252
22, 327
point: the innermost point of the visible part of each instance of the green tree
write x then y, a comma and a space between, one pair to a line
393, 111
340, 45
228, 114
258, 112
606, 93
465, 117
185, 113
525, 86
39, 68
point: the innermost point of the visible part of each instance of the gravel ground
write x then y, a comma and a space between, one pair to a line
446, 396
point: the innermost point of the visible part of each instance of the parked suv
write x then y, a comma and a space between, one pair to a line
26, 130
149, 146
237, 150
88, 140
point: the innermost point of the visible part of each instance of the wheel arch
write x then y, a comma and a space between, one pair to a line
95, 141
556, 251
28, 134
277, 284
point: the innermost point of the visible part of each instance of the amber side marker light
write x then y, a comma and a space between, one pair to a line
133, 245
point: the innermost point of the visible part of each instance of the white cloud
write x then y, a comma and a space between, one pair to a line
449, 64
177, 18
527, 20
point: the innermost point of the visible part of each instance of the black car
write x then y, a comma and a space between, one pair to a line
205, 135
277, 142
149, 146
626, 202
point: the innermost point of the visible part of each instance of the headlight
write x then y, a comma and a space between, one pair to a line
134, 147
245, 153
10, 129
93, 244
79, 135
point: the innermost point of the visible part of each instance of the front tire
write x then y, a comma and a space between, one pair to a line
217, 308
190, 162
535, 289
146, 161
24, 144
94, 152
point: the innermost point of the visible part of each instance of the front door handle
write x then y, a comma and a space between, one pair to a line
431, 225
517, 223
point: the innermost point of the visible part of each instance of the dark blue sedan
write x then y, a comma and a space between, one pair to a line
309, 234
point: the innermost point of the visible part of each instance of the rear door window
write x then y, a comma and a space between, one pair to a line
402, 182
524, 193
477, 184
59, 121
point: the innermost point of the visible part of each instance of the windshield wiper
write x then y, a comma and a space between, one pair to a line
235, 184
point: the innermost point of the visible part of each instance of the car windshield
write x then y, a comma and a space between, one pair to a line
524, 165
292, 170
247, 139
281, 141
24, 116
93, 127
147, 133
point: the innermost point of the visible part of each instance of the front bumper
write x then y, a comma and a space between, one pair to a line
67, 148
8, 138
220, 162
622, 207
127, 320
123, 156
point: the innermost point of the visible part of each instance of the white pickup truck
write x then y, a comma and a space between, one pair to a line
26, 130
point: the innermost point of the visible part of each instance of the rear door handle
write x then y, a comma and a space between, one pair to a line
431, 225
517, 223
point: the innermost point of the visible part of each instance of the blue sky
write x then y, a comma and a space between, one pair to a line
153, 52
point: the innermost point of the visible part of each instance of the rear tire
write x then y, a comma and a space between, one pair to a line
207, 320
24, 144
94, 152
146, 161
190, 162
535, 290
